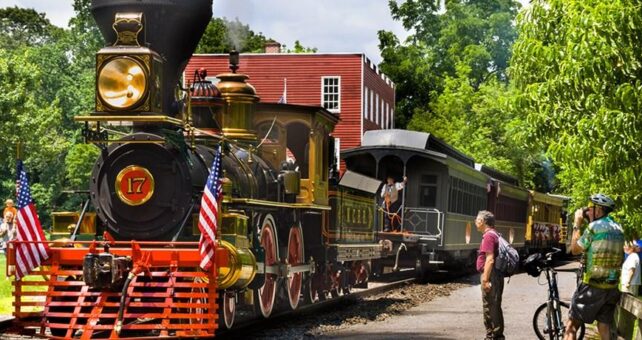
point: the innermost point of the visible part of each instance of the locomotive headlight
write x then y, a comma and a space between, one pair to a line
122, 82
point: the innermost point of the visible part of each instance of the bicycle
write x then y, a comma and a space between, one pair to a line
549, 320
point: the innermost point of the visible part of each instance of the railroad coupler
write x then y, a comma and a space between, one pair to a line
105, 270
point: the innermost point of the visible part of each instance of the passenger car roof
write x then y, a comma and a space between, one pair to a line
413, 140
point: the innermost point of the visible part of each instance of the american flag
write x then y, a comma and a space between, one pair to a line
28, 255
208, 217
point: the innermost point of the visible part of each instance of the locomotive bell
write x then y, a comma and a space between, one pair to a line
240, 100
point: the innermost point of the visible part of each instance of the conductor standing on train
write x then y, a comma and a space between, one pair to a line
391, 203
602, 241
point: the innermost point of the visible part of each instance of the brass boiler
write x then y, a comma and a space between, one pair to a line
241, 268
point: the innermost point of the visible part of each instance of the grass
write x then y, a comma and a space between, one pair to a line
6, 297
5, 288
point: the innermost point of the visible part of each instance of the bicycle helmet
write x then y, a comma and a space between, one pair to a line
603, 200
533, 264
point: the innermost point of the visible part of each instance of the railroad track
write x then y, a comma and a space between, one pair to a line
5, 322
280, 317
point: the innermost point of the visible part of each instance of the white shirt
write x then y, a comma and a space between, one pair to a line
388, 188
632, 262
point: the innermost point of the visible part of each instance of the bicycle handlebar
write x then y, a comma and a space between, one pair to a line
549, 256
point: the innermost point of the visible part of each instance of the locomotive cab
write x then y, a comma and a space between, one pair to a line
297, 138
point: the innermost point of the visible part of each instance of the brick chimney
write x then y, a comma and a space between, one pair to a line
272, 47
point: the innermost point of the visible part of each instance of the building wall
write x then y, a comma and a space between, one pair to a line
377, 87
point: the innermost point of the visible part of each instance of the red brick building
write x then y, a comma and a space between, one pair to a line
347, 84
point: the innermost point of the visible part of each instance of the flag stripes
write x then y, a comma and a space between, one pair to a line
34, 250
208, 216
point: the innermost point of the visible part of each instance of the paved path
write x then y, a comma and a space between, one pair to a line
459, 316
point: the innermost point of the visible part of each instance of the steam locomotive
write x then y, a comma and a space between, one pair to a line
289, 230
286, 230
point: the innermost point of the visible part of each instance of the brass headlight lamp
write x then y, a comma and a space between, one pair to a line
122, 82
128, 76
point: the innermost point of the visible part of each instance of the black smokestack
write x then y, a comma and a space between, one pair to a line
172, 28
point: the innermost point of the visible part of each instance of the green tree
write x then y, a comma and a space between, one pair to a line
25, 27
476, 35
451, 77
577, 68
33, 120
299, 48
222, 36
46, 78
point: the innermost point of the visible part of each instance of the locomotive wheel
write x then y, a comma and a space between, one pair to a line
226, 309
377, 268
422, 272
362, 274
295, 258
309, 292
266, 295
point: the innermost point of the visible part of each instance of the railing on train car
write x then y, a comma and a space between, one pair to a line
427, 222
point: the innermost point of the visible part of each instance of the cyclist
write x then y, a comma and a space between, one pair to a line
602, 242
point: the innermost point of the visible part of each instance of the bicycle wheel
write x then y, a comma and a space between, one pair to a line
544, 325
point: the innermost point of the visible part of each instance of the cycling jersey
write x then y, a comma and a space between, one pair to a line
602, 242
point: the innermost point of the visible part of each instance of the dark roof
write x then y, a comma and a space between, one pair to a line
413, 140
333, 117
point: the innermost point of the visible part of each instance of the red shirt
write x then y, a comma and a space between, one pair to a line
490, 242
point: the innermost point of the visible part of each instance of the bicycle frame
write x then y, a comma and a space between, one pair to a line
548, 320
554, 312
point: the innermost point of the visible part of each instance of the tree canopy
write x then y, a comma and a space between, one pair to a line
451, 77
25, 27
223, 35
576, 68
46, 78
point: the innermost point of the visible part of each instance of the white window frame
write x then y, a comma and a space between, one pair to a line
378, 111
366, 97
337, 152
338, 78
386, 116
370, 114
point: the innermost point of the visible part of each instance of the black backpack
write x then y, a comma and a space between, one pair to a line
507, 261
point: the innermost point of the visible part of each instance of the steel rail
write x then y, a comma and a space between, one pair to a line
256, 323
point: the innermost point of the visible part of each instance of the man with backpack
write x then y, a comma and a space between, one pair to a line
492, 280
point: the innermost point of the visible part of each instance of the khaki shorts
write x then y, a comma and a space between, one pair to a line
590, 304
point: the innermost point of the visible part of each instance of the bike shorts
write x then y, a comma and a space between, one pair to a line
591, 303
